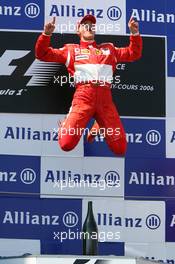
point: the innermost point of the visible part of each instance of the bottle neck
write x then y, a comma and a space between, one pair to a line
90, 209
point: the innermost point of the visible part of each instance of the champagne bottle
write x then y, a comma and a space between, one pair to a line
90, 233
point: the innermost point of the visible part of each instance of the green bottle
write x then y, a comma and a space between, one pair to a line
90, 233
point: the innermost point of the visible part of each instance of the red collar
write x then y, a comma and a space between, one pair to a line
86, 44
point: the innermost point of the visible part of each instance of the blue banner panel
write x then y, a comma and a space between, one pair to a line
171, 55
20, 174
56, 221
104, 248
151, 15
150, 178
170, 221
26, 14
145, 137
111, 248
69, 247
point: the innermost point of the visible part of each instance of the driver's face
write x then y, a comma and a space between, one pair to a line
87, 30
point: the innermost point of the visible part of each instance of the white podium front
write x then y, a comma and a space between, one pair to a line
57, 259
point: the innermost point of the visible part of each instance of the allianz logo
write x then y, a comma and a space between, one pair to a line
149, 15
31, 10
150, 178
73, 11
152, 221
113, 12
27, 133
26, 176
69, 219
152, 137
110, 177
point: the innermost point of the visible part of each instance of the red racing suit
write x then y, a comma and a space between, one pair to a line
92, 66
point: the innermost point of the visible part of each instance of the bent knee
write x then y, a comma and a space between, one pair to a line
119, 147
67, 144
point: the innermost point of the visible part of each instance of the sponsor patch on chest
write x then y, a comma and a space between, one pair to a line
82, 57
81, 51
85, 51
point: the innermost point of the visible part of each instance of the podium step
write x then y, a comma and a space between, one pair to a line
60, 259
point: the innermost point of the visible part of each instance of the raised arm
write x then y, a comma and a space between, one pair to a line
134, 50
43, 50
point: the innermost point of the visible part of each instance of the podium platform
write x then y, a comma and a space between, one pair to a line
60, 259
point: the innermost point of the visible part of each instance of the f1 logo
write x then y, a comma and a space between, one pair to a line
38, 70
7, 57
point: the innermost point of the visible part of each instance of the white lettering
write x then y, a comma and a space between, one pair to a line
172, 221
8, 176
152, 16
146, 178
10, 10
17, 10
7, 218
173, 56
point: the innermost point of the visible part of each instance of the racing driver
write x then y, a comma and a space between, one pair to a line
92, 66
